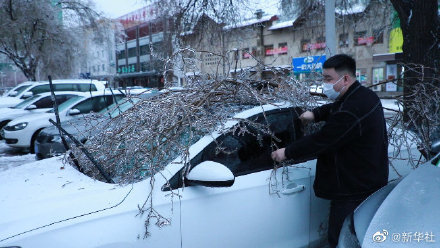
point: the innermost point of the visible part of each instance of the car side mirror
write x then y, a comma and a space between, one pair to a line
31, 107
74, 112
13, 93
27, 95
210, 174
435, 147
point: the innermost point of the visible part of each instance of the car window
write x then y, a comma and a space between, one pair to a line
18, 90
245, 153
65, 87
40, 89
86, 87
120, 106
26, 102
95, 104
67, 103
46, 102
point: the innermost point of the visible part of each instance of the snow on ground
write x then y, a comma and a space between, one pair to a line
10, 157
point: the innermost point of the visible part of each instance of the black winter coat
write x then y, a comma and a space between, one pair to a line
352, 146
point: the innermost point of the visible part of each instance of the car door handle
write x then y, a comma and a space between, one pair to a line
292, 188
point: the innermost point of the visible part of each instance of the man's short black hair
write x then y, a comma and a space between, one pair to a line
341, 62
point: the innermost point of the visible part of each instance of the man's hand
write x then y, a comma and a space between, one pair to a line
279, 155
307, 116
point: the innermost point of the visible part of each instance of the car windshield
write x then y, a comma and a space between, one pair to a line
119, 107
66, 104
26, 102
17, 91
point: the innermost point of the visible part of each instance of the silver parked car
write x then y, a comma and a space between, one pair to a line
48, 142
404, 213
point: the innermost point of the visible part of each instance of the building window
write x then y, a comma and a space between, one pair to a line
361, 38
268, 50
144, 50
378, 36
245, 54
343, 40
361, 76
120, 54
103, 67
320, 43
145, 66
378, 77
94, 69
282, 48
132, 52
305, 45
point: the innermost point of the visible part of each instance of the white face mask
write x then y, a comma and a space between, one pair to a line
329, 91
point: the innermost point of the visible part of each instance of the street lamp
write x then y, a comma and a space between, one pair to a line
1, 76
15, 75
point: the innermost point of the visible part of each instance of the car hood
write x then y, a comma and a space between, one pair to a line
12, 113
48, 195
411, 207
32, 117
7, 101
76, 126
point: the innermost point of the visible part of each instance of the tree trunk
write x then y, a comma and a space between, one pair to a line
420, 25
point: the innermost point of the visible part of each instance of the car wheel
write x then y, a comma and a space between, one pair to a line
2, 124
34, 137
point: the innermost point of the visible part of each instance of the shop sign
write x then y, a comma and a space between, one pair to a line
314, 46
365, 40
272, 51
126, 69
139, 16
308, 64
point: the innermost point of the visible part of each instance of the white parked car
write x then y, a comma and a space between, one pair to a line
28, 89
22, 132
232, 199
38, 103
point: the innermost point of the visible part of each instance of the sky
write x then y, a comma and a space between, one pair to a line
117, 8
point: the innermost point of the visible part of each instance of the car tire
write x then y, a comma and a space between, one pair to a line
2, 124
34, 137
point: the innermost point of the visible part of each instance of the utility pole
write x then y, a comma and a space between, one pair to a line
330, 28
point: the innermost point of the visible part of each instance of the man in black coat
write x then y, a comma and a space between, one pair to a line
351, 147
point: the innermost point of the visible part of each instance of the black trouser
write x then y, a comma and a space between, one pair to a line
339, 209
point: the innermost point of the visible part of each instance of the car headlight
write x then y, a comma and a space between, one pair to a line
16, 127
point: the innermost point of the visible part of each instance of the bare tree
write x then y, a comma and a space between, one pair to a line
42, 37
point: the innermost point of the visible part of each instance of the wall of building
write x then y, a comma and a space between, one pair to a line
360, 34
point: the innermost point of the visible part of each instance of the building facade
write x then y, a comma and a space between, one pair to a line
141, 53
269, 44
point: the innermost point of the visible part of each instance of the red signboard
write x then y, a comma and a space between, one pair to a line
314, 46
139, 16
272, 51
365, 40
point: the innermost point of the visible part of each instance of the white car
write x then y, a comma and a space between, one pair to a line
22, 132
38, 103
28, 89
230, 200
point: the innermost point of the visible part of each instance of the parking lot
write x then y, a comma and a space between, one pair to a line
10, 157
